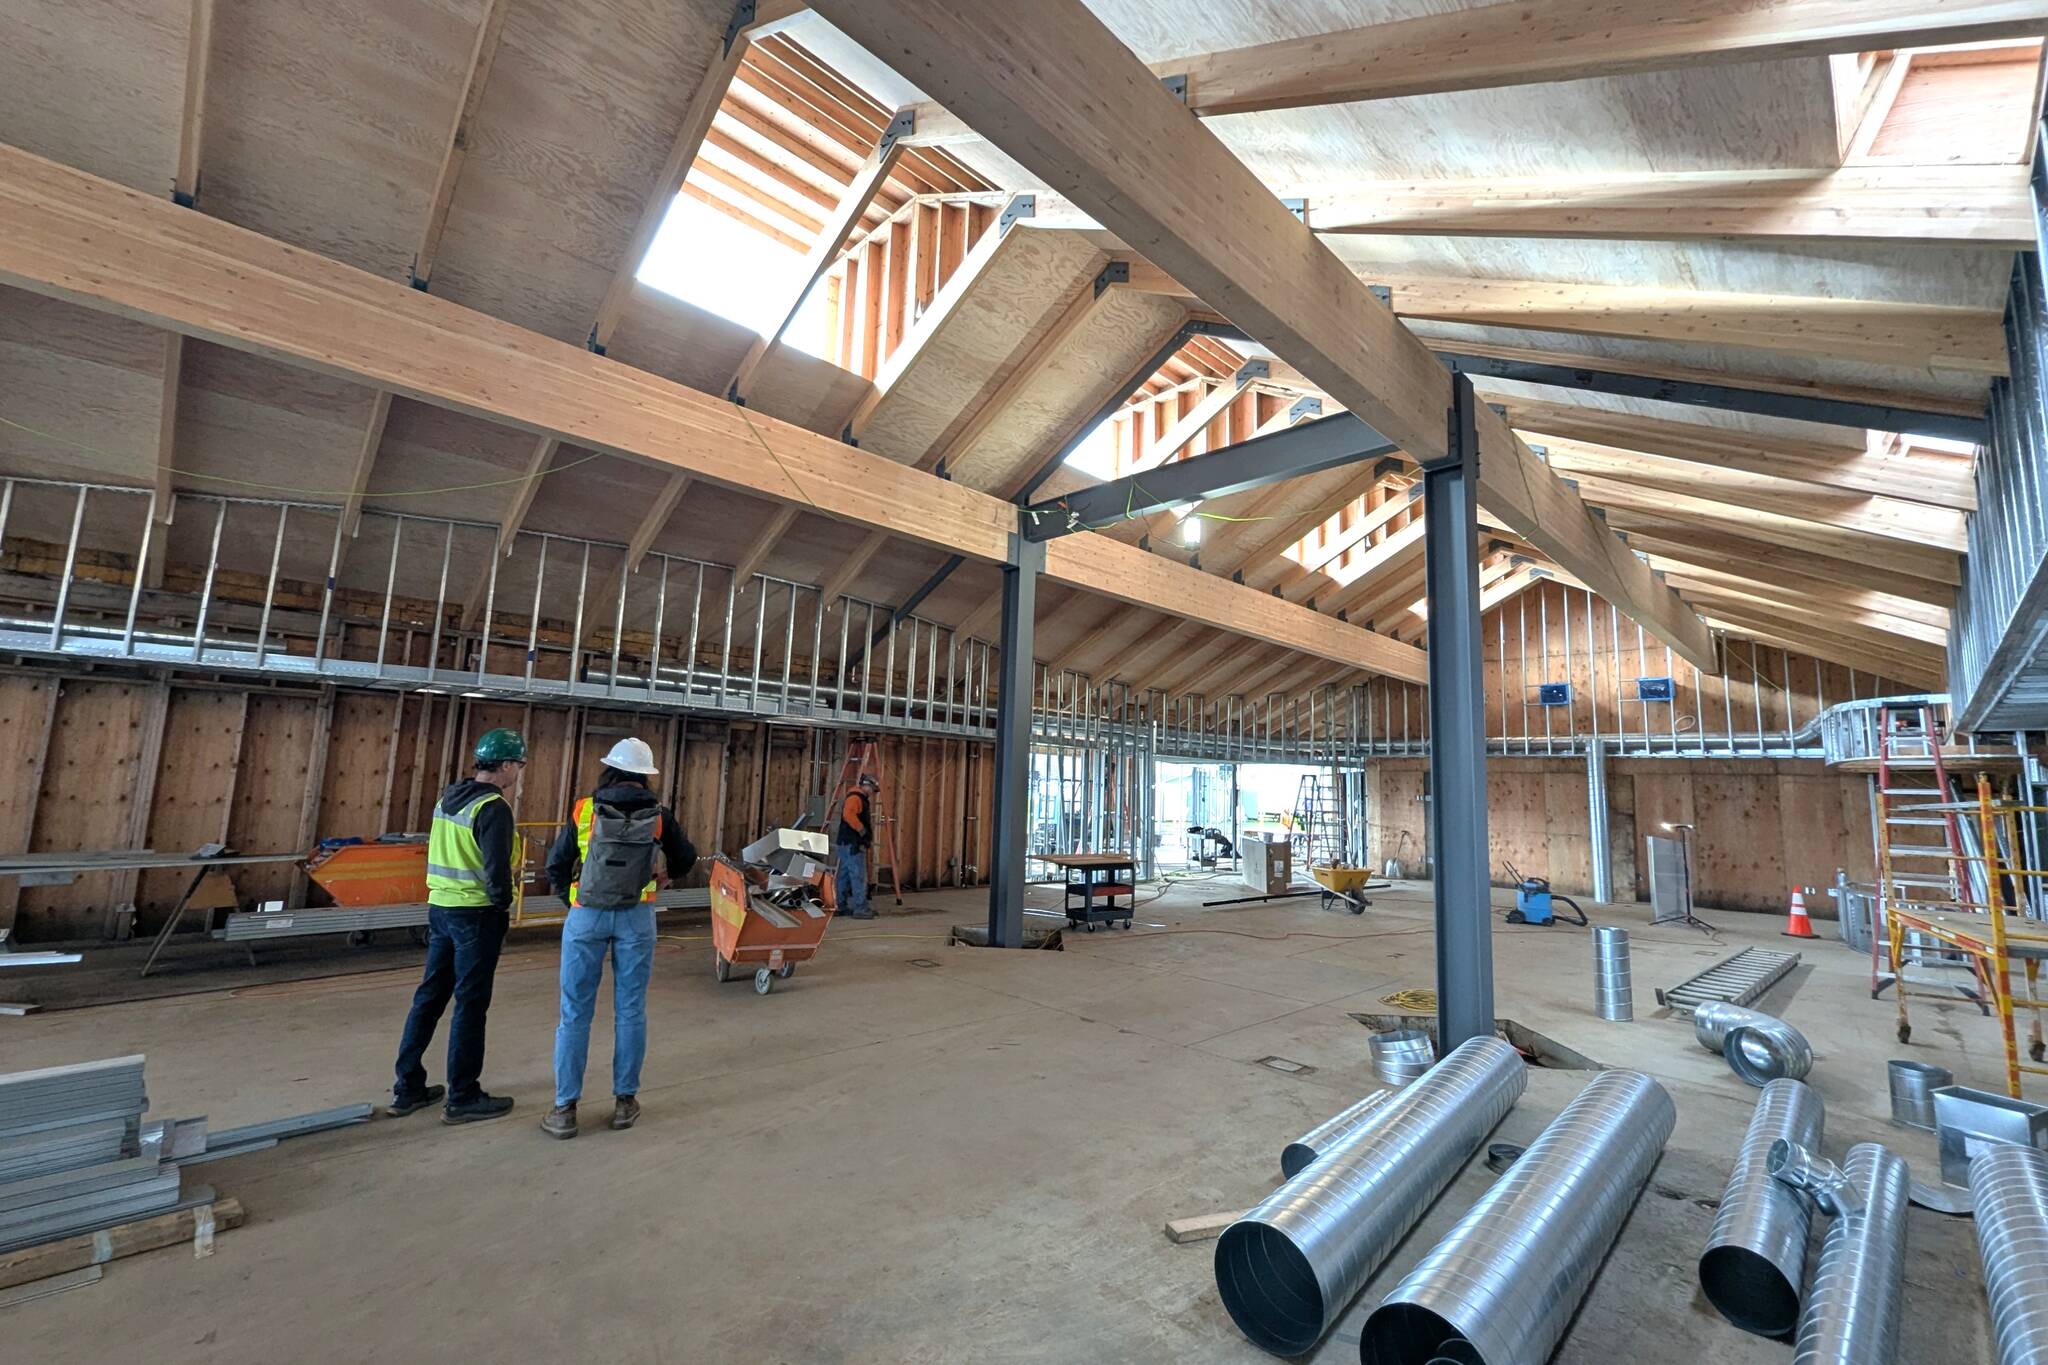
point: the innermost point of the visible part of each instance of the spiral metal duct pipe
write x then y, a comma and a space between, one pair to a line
1501, 1288
1712, 1021
1768, 1051
1755, 1258
1297, 1155
2010, 1185
1852, 1307
1613, 989
1288, 1268
1401, 1056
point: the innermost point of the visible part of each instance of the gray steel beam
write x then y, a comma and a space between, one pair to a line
1457, 731
1761, 402
1011, 844
1293, 453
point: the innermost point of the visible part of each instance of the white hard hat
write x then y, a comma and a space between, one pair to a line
632, 756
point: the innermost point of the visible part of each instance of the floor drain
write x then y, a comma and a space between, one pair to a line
1285, 1067
922, 962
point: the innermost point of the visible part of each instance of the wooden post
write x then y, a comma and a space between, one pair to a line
120, 912
316, 779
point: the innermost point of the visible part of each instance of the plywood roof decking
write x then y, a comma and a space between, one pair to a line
580, 111
1001, 308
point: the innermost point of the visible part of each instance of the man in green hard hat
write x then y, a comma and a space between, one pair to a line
469, 887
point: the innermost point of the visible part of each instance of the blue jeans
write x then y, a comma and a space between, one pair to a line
587, 935
462, 963
850, 881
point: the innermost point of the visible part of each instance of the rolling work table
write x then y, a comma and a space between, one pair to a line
1093, 878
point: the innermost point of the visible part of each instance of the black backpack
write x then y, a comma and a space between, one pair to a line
619, 862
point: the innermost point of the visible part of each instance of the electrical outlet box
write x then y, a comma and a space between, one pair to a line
1553, 694
1653, 689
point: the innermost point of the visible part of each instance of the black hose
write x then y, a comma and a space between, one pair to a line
1580, 921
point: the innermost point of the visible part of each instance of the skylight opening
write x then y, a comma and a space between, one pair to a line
724, 266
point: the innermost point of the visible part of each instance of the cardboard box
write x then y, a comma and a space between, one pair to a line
1268, 863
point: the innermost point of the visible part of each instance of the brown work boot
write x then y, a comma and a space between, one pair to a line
625, 1111
560, 1122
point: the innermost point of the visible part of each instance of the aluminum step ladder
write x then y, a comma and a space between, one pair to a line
1922, 859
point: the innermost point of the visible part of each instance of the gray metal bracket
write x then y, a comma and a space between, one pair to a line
1022, 206
742, 16
1115, 273
902, 125
1176, 86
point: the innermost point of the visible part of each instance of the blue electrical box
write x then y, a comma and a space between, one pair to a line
1553, 694
1653, 689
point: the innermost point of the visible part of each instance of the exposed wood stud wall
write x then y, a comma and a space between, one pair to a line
267, 770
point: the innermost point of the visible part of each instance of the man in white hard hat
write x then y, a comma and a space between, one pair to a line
602, 865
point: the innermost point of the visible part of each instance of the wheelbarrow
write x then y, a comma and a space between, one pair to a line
765, 921
1341, 882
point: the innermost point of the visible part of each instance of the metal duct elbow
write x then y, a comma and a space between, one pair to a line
1712, 1021
1298, 1154
1763, 1052
1754, 1263
1289, 1267
2010, 1187
1502, 1287
1851, 1315
1400, 1056
1798, 1167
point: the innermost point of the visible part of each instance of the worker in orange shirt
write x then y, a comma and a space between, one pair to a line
855, 835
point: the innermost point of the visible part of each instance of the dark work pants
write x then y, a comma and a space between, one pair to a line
462, 962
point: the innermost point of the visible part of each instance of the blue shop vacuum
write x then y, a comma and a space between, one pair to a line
1535, 902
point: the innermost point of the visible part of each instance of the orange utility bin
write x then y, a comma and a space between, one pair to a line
750, 930
359, 875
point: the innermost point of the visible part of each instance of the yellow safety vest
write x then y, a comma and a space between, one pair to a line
585, 815
455, 862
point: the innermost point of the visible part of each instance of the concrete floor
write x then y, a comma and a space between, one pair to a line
915, 1153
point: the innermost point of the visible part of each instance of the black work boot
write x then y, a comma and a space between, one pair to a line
401, 1105
484, 1106
560, 1122
625, 1111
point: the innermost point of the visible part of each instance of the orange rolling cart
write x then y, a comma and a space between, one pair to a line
768, 929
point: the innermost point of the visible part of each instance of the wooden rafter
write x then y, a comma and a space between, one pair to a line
192, 120
1922, 561
1902, 391
845, 217
1879, 332
851, 568
1880, 517
1687, 538
1735, 574
1707, 589
1938, 205
184, 190
1055, 90
485, 51
74, 236
1938, 481
366, 463
1533, 41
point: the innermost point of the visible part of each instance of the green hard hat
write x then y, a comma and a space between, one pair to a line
501, 746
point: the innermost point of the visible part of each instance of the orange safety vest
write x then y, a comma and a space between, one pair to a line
585, 816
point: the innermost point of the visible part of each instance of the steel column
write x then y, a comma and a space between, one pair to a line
1011, 844
1457, 729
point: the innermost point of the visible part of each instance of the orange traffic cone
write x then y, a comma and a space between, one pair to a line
1797, 925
